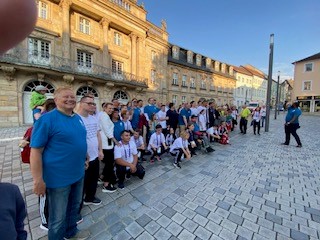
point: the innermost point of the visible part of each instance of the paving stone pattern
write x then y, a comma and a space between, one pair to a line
252, 189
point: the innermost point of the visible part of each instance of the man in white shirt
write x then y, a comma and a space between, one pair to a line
194, 108
162, 118
126, 157
94, 150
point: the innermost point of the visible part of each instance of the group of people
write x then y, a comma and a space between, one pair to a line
70, 139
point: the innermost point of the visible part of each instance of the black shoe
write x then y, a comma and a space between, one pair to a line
194, 154
95, 201
176, 165
254, 133
108, 189
299, 146
120, 185
284, 143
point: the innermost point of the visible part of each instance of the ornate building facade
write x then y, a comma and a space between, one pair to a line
110, 49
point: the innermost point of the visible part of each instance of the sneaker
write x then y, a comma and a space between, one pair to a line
284, 143
100, 182
120, 185
80, 220
299, 146
143, 159
159, 159
128, 176
176, 165
151, 160
95, 201
81, 235
108, 189
44, 226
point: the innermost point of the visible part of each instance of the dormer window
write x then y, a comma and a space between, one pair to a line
198, 60
231, 70
208, 62
223, 67
175, 52
190, 57
217, 66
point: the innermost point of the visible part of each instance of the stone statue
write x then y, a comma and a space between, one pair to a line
163, 25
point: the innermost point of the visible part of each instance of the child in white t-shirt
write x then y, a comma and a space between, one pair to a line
179, 148
138, 140
157, 144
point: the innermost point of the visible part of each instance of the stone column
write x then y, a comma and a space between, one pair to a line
133, 53
65, 6
139, 57
105, 51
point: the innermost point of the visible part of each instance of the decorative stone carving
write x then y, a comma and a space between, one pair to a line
40, 77
89, 83
68, 79
164, 25
105, 22
8, 72
65, 3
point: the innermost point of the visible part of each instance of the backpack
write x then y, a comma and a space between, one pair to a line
25, 150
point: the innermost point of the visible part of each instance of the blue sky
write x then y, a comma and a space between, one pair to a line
238, 31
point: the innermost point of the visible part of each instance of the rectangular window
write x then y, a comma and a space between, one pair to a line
117, 67
84, 61
39, 51
184, 80
42, 10
203, 84
308, 67
306, 85
153, 76
183, 99
117, 70
192, 82
84, 25
174, 99
175, 79
117, 39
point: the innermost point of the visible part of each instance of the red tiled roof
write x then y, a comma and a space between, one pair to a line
242, 70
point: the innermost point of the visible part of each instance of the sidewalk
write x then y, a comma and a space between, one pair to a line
252, 189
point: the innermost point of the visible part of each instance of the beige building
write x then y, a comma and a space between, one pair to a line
110, 49
191, 76
251, 85
307, 83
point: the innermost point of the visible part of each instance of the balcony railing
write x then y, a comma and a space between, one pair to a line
52, 62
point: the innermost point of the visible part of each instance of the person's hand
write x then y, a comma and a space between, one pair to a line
133, 168
86, 164
16, 14
100, 155
188, 156
39, 187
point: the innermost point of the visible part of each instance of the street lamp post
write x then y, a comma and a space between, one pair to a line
269, 83
277, 98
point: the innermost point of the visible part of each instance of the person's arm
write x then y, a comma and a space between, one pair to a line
185, 120
101, 155
39, 187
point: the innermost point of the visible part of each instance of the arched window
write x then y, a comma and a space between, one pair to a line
121, 96
87, 90
32, 85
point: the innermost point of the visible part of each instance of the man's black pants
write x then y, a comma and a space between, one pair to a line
90, 180
243, 125
292, 129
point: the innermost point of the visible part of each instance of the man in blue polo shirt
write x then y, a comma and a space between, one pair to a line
292, 124
57, 161
150, 109
184, 116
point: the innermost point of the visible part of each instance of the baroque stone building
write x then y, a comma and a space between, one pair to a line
108, 48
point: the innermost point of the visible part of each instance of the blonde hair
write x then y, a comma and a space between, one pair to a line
61, 89
184, 134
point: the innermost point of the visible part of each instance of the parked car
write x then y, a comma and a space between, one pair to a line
252, 106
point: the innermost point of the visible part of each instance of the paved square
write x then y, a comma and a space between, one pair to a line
253, 189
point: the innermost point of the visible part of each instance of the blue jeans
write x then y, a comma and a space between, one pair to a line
64, 204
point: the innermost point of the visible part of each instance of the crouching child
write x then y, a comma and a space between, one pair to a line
126, 158
179, 148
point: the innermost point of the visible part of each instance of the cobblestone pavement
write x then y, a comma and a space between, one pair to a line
253, 189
